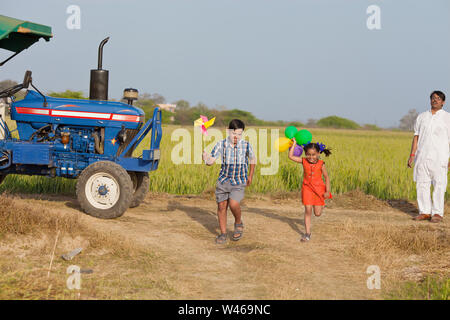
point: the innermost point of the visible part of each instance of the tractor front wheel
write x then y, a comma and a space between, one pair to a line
104, 190
141, 184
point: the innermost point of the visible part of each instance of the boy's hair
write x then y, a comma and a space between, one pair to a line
318, 148
236, 124
440, 94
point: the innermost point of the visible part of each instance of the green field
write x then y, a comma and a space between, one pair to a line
371, 161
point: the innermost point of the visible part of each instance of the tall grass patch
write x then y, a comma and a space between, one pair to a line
373, 162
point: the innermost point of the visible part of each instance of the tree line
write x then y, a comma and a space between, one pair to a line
185, 114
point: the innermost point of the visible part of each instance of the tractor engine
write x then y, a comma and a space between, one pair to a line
67, 135
80, 140
73, 130
92, 140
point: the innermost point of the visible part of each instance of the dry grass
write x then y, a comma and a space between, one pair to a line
357, 200
385, 239
405, 252
268, 263
27, 237
17, 218
403, 249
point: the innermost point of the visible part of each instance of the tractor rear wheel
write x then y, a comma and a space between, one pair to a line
141, 184
104, 190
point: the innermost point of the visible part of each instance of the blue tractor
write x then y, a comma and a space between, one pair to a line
90, 140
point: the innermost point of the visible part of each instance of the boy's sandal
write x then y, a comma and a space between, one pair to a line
306, 237
221, 238
237, 234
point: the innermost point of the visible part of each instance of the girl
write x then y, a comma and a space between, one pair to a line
314, 190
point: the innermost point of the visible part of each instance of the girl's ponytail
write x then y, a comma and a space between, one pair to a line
323, 149
327, 152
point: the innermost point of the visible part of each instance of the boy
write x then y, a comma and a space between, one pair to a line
236, 154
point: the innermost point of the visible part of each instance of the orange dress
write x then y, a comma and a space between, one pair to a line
313, 186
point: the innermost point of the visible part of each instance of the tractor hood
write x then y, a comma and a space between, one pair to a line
76, 112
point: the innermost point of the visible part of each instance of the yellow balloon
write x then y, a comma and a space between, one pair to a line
283, 143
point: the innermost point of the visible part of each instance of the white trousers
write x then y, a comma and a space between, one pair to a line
424, 197
427, 173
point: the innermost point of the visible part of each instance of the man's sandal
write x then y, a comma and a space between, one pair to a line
237, 234
436, 218
221, 239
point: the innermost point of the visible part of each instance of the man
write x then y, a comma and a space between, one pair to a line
235, 154
430, 152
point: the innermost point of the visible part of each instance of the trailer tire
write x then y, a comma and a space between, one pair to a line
141, 185
104, 190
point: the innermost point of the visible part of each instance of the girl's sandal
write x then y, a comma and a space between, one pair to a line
237, 234
306, 237
221, 239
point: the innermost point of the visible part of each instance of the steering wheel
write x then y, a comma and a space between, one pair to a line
11, 91
27, 79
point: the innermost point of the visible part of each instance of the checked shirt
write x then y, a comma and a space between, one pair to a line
234, 160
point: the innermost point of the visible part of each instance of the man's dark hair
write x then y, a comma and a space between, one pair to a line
236, 124
440, 94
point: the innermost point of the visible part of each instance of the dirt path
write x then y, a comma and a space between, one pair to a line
269, 262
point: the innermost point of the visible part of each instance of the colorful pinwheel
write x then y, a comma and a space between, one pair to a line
204, 123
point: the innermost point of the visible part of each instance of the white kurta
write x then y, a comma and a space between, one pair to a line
431, 161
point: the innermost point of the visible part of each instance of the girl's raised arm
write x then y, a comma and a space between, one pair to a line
291, 153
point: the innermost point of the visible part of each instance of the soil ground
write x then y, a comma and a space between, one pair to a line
269, 262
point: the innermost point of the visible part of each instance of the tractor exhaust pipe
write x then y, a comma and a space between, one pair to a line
99, 78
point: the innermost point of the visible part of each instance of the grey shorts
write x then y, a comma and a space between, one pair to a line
225, 191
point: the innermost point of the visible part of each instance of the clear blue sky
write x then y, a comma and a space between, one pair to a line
284, 59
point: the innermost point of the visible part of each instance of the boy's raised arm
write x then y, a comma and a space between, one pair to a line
208, 159
211, 158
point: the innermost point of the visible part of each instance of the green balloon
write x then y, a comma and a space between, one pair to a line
303, 136
290, 132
